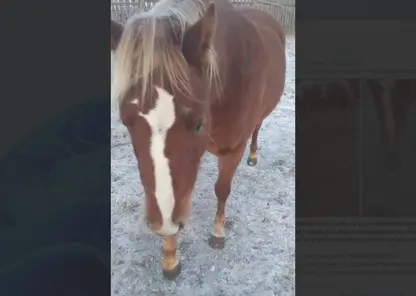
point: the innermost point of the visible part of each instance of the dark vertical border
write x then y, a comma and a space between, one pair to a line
360, 162
366, 254
55, 148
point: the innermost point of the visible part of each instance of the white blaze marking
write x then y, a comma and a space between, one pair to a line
160, 119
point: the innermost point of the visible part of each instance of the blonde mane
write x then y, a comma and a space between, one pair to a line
147, 44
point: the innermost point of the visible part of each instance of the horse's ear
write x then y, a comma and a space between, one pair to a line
116, 32
198, 38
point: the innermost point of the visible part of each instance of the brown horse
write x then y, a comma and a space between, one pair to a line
192, 76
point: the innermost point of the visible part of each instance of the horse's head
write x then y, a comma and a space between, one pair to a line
164, 69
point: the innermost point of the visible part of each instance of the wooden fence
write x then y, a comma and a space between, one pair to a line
282, 10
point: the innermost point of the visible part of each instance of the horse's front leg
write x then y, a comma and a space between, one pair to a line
227, 165
171, 264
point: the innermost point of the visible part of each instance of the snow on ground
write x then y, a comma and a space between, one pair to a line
259, 256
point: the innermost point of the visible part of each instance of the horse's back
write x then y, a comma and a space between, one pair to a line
267, 25
274, 41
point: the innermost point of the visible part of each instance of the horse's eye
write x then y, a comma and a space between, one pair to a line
198, 126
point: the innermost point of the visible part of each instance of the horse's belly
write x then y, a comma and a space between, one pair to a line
274, 42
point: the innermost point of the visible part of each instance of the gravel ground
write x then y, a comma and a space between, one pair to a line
259, 256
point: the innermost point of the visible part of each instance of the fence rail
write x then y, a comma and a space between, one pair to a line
282, 10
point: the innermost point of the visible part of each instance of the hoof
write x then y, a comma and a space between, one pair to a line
252, 161
172, 274
217, 242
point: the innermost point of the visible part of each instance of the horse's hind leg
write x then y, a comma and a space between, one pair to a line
252, 158
227, 165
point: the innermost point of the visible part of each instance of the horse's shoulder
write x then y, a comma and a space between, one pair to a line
128, 110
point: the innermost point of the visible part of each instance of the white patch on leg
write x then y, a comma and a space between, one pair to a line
218, 232
160, 119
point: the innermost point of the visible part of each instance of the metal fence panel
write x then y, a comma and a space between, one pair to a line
282, 10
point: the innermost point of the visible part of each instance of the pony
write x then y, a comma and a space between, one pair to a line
194, 76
